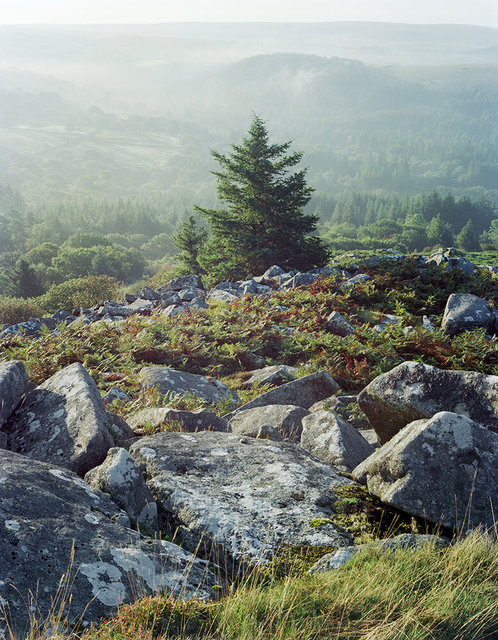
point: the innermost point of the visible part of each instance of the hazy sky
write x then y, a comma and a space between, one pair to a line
479, 12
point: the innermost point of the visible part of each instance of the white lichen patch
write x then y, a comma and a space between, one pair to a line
218, 451
58, 414
147, 453
135, 560
12, 525
91, 518
106, 582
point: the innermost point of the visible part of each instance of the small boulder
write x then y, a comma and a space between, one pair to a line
285, 419
120, 477
331, 439
156, 418
116, 397
413, 390
63, 422
464, 312
13, 386
442, 469
337, 324
182, 282
275, 375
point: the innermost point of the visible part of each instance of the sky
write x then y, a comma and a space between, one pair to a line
477, 12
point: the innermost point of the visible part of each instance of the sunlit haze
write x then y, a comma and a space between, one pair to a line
478, 12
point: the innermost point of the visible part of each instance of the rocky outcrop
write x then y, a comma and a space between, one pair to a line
167, 380
413, 390
331, 439
442, 469
46, 513
302, 392
464, 312
13, 386
245, 495
120, 477
63, 422
157, 418
258, 422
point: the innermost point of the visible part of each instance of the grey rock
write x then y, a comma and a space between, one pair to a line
198, 303
170, 298
187, 295
129, 297
447, 259
32, 327
220, 295
141, 306
182, 282
465, 311
275, 375
120, 477
442, 469
413, 390
299, 280
246, 495
120, 430
389, 320
332, 561
113, 309
62, 422
188, 421
273, 271
149, 294
286, 420
302, 392
428, 324
61, 316
44, 512
331, 439
3, 440
173, 310
116, 397
168, 380
14, 383
337, 324
352, 282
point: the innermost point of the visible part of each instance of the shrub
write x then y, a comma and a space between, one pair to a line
14, 310
80, 292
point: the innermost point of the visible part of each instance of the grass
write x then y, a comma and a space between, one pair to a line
427, 594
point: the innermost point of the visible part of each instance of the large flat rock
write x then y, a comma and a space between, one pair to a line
63, 422
413, 390
464, 312
284, 418
45, 512
443, 469
248, 496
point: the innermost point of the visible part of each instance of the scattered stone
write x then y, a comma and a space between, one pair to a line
464, 312
429, 324
286, 420
274, 375
188, 421
413, 390
338, 325
63, 422
442, 469
119, 428
120, 477
149, 294
389, 320
302, 392
219, 295
173, 310
331, 439
332, 561
273, 271
170, 299
352, 282
182, 282
116, 397
45, 513
246, 495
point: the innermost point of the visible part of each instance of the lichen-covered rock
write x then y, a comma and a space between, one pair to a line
286, 419
116, 397
302, 392
248, 496
413, 390
120, 477
45, 512
465, 311
331, 561
331, 439
13, 385
188, 421
63, 422
182, 282
337, 324
352, 282
442, 469
167, 380
275, 375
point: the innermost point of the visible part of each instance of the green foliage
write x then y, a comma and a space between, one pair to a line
467, 238
79, 292
439, 232
14, 310
190, 239
25, 282
263, 222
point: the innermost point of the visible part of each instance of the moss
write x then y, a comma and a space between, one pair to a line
317, 523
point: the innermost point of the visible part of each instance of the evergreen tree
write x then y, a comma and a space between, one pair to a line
467, 238
190, 239
263, 222
439, 232
25, 281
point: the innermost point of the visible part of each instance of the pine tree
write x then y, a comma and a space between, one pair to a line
190, 239
25, 281
439, 232
467, 238
263, 222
